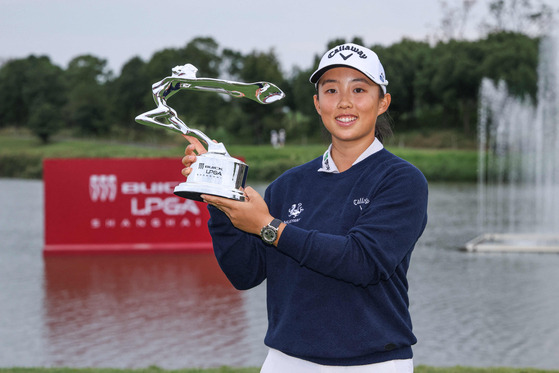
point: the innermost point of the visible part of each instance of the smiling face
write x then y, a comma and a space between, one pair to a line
349, 104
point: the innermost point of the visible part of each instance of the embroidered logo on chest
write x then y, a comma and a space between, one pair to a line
361, 202
294, 212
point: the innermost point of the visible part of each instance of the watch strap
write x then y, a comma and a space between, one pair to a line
275, 223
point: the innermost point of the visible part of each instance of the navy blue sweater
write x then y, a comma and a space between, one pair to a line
336, 283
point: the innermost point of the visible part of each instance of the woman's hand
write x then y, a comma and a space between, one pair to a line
194, 148
249, 216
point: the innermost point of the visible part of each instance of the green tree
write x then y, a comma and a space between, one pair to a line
260, 119
231, 63
127, 93
404, 62
87, 109
513, 58
203, 52
302, 122
449, 84
433, 87
45, 120
28, 86
13, 77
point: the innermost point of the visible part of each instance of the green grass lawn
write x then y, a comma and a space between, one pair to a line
22, 157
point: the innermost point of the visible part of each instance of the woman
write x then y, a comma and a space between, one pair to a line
332, 237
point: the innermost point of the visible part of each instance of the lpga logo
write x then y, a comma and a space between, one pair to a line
102, 188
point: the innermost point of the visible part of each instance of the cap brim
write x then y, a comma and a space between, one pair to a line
315, 77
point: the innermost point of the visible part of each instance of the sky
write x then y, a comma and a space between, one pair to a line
297, 30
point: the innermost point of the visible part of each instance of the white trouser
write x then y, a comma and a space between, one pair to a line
278, 362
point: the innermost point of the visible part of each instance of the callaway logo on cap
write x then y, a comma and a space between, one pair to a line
355, 56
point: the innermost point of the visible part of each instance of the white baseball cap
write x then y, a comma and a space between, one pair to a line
355, 56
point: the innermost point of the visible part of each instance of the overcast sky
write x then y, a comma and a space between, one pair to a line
118, 30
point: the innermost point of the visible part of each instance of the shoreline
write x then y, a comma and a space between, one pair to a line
23, 157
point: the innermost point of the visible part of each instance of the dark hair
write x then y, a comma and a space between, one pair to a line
383, 126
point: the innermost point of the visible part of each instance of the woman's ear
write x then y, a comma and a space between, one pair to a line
316, 104
384, 103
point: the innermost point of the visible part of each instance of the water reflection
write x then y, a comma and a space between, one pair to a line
142, 310
180, 311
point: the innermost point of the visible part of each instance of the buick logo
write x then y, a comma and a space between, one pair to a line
102, 187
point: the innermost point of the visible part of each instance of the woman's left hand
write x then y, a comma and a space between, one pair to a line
249, 216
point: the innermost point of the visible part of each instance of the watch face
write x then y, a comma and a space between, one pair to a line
269, 235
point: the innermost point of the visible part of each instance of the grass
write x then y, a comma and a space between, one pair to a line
154, 369
22, 157
442, 164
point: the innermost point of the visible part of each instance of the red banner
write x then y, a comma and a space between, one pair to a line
120, 205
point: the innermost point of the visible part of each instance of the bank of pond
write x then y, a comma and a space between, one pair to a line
23, 157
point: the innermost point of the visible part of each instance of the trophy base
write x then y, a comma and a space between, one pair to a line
215, 174
193, 192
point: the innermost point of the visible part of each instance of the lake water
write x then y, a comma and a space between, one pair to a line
178, 311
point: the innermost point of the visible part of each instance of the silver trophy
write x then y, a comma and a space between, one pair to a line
214, 172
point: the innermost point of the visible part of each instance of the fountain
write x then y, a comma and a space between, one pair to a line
518, 166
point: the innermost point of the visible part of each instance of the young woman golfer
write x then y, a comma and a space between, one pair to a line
332, 237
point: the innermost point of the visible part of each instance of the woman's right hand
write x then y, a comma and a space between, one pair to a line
194, 148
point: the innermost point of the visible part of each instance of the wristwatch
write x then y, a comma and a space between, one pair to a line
269, 233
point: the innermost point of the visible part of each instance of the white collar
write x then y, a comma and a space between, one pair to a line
329, 166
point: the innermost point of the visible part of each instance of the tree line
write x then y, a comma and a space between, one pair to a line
433, 87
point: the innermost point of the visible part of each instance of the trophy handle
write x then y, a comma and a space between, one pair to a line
184, 77
215, 172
